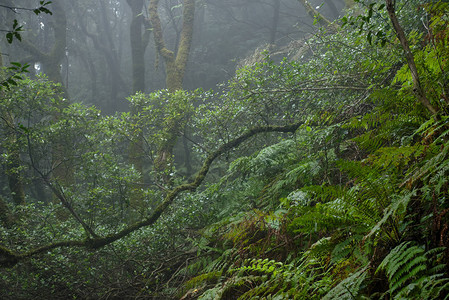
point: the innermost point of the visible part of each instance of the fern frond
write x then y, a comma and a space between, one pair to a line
394, 211
349, 288
435, 286
206, 278
325, 217
270, 279
269, 160
324, 193
221, 263
343, 249
407, 270
437, 164
399, 257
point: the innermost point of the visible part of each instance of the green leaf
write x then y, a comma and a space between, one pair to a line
17, 64
9, 37
18, 36
45, 10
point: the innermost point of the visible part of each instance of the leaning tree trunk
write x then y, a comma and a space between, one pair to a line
417, 88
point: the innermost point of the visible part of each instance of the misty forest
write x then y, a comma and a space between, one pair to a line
224, 149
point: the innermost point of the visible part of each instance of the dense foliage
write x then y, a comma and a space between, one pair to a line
318, 177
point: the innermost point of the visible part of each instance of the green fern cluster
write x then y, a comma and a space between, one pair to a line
350, 287
350, 189
358, 206
269, 279
412, 273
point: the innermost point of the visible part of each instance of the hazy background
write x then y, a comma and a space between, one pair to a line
96, 66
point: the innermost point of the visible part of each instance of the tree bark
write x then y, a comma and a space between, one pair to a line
6, 216
139, 41
138, 45
175, 65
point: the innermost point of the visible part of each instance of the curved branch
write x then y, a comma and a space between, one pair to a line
9, 258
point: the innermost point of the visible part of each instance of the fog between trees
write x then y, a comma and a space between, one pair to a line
95, 55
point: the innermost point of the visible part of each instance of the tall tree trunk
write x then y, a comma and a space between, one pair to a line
104, 42
111, 50
139, 41
175, 65
6, 216
138, 46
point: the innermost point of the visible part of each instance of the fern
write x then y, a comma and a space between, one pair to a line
435, 136
344, 249
392, 215
360, 205
267, 161
405, 267
349, 287
269, 279
431, 167
200, 281
383, 129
